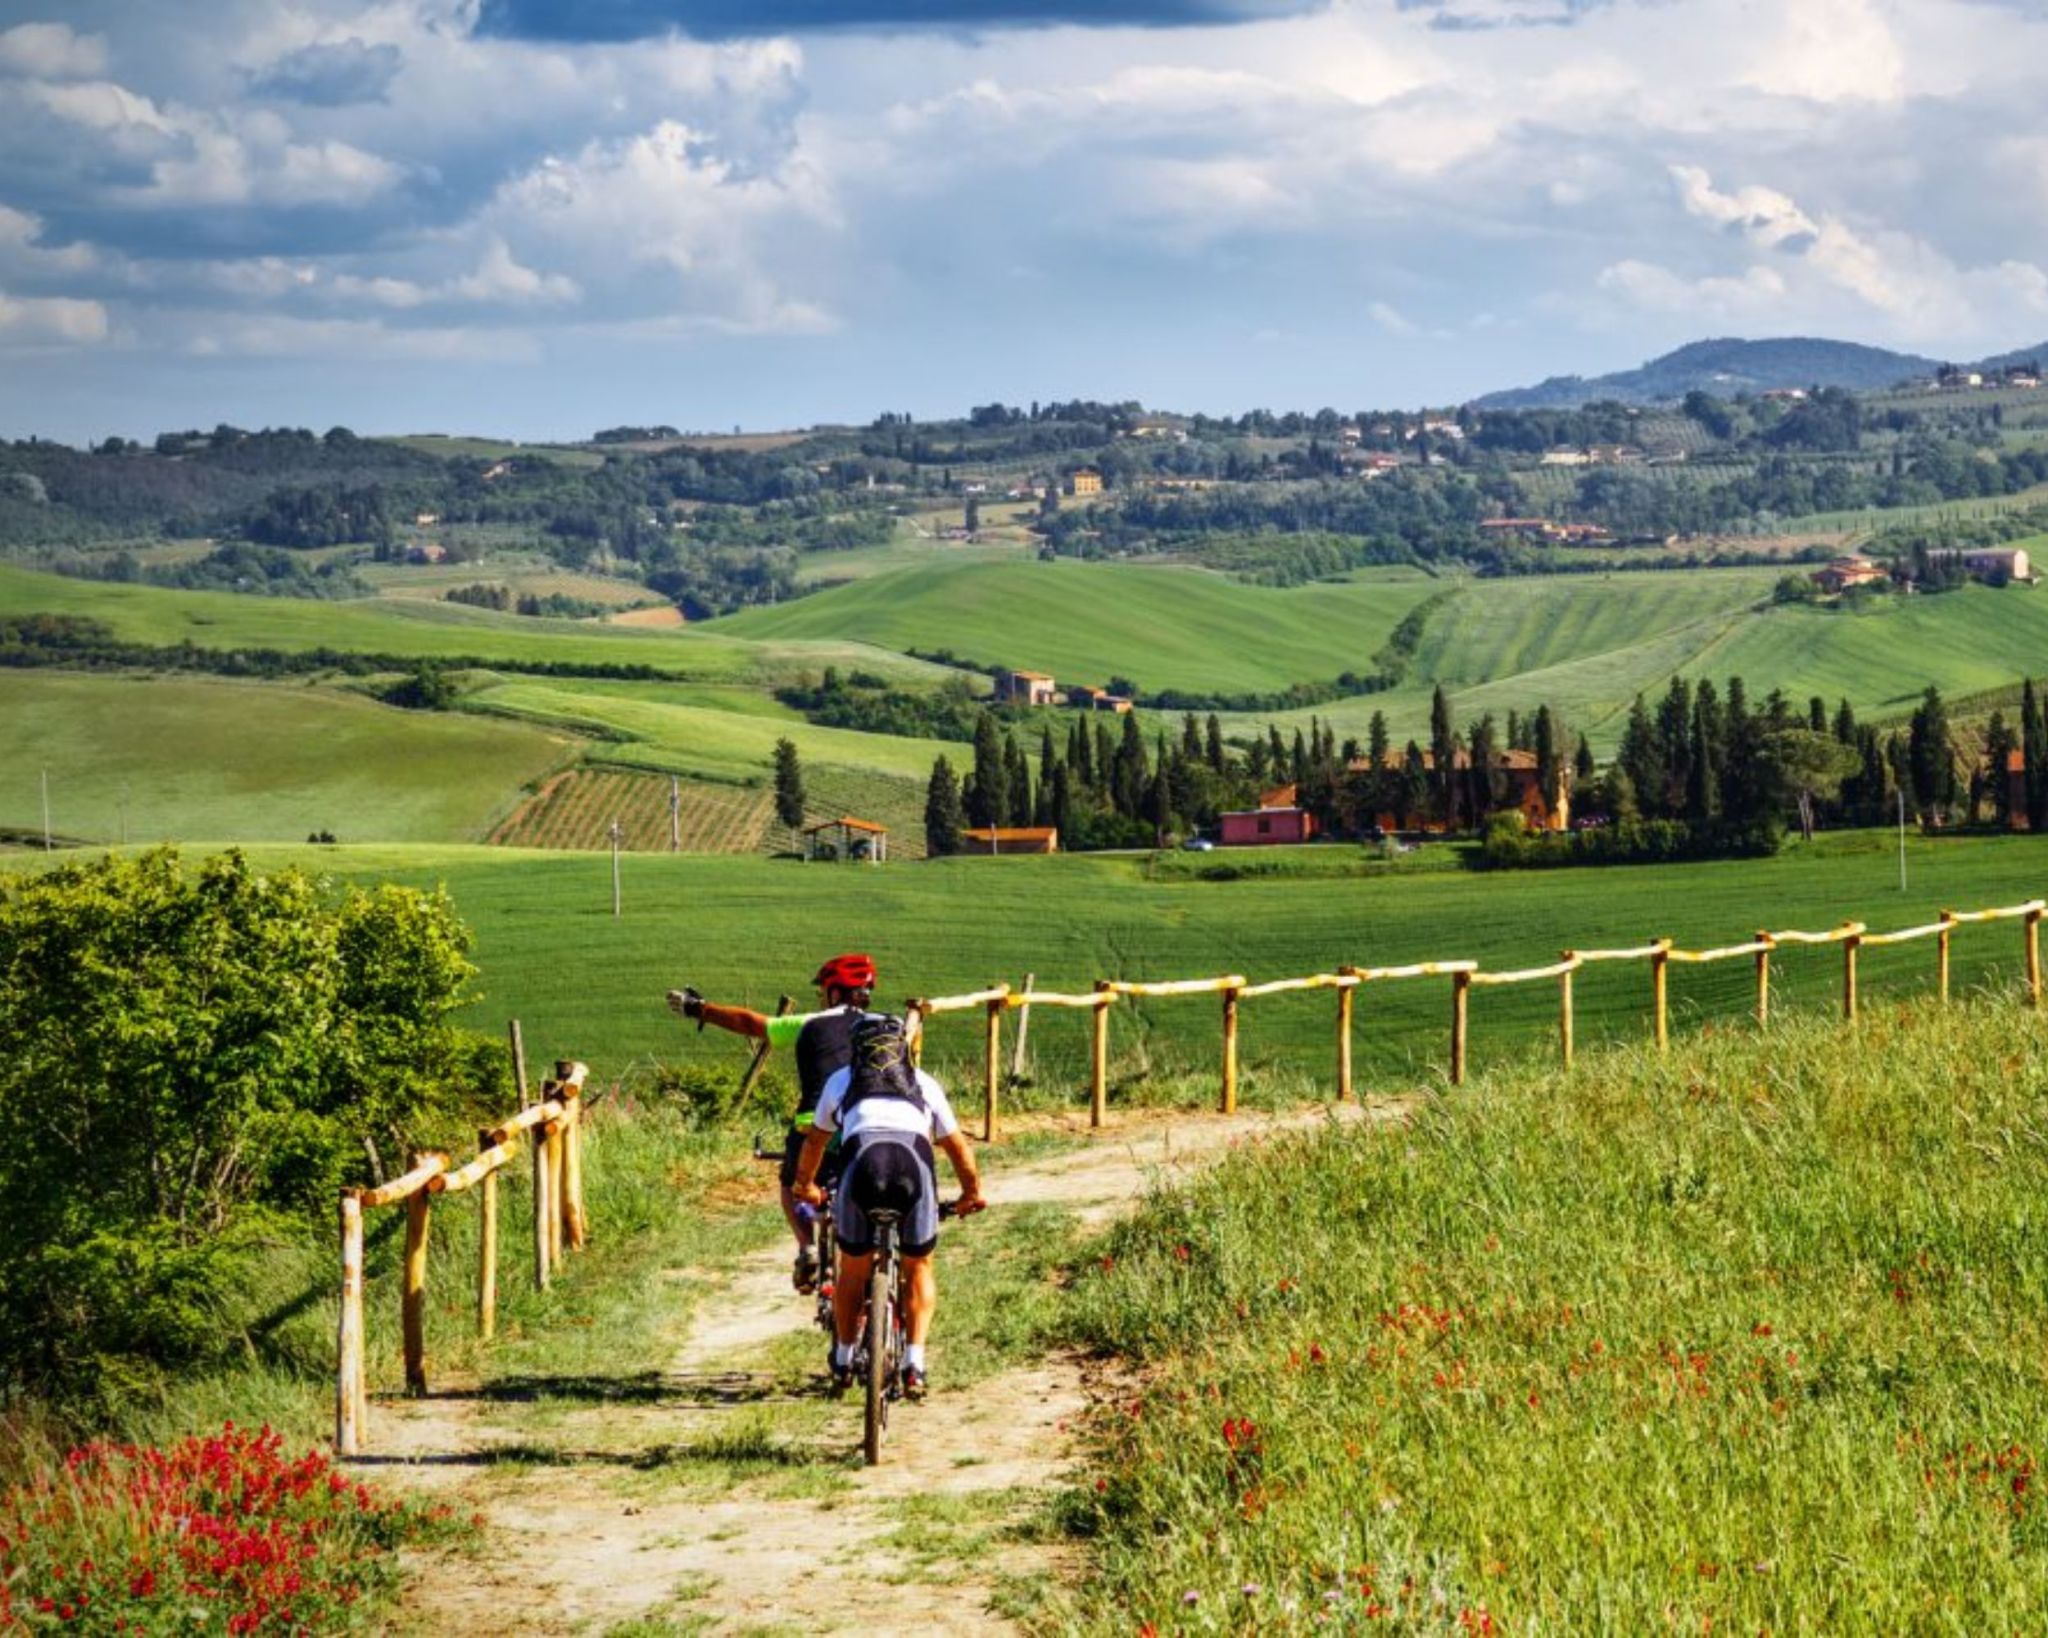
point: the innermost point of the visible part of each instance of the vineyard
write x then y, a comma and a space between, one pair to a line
575, 810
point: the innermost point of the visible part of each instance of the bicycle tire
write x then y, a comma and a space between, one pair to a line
881, 1297
828, 1272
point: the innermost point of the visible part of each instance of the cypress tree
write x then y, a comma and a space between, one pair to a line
1641, 757
1582, 766
789, 785
1016, 782
1132, 774
1817, 715
2034, 743
1481, 796
1276, 749
1048, 757
1674, 750
1443, 755
988, 790
1063, 806
1739, 798
1413, 799
1549, 767
942, 815
1999, 744
1105, 759
1845, 723
1930, 758
1213, 744
1299, 766
1081, 753
1190, 738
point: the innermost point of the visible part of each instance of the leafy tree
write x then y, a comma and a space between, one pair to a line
789, 784
197, 1060
943, 820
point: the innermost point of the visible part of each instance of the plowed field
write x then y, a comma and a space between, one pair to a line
576, 809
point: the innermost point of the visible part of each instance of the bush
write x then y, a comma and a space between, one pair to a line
197, 1060
1633, 841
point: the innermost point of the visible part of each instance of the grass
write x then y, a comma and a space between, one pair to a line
746, 930
418, 628
1745, 1339
1086, 622
166, 758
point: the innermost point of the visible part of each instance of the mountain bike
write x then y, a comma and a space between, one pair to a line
824, 1237
882, 1335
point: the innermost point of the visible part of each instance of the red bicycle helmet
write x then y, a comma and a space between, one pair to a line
847, 972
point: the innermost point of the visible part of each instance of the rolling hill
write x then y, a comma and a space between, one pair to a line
1724, 367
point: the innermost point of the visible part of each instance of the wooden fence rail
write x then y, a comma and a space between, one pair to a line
555, 1120
1465, 976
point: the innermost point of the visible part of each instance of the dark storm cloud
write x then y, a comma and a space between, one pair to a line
717, 19
331, 76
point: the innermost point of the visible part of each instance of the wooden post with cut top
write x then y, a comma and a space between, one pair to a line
1948, 922
1660, 993
349, 1394
1850, 945
993, 1066
1763, 979
575, 1224
1345, 1008
1098, 1059
418, 1206
1229, 1099
1564, 1010
487, 1247
543, 1209
1017, 1059
1461, 993
2033, 936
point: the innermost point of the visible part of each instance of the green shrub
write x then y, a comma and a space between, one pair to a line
196, 1062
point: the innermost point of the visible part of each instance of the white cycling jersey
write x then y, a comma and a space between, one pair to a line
935, 1121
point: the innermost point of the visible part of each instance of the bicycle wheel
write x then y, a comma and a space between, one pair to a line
828, 1271
881, 1361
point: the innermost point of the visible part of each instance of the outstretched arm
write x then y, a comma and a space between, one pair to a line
956, 1150
739, 1020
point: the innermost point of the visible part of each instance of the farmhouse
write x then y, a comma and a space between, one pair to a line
999, 839
1998, 564
1515, 771
1566, 457
428, 551
1845, 572
1278, 821
1087, 481
1026, 688
1085, 698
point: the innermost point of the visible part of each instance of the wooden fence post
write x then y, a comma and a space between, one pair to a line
2033, 931
1564, 1010
1229, 1099
575, 1231
992, 1043
1849, 947
418, 1205
1023, 1029
1763, 980
556, 1191
543, 1209
349, 1394
1660, 993
1098, 1059
1346, 994
1948, 922
487, 1248
1461, 990
913, 1027
518, 1043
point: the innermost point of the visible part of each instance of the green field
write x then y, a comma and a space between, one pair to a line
1747, 1339
417, 629
1087, 622
171, 758
748, 929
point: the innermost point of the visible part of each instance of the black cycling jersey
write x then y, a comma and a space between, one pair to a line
823, 1047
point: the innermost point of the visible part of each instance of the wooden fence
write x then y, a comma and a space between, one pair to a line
555, 1124
1658, 956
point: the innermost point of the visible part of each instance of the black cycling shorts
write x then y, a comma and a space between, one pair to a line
793, 1146
889, 1171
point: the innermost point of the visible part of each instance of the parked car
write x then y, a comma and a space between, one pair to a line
1198, 844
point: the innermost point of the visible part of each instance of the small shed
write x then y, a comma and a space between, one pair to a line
1267, 827
847, 841
998, 839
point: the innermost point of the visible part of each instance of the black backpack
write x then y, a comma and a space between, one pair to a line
881, 1066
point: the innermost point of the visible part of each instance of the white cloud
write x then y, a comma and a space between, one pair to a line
1390, 319
277, 336
21, 246
1831, 51
1756, 293
51, 51
51, 319
500, 277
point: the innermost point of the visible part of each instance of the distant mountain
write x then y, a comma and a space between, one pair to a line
1725, 368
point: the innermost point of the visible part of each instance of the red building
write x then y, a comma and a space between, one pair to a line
1277, 821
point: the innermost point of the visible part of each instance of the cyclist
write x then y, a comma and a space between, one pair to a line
823, 1042
887, 1114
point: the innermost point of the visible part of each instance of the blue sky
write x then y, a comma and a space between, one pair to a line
537, 217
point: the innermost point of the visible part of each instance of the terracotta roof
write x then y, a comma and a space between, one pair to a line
1014, 833
1280, 796
1035, 676
848, 824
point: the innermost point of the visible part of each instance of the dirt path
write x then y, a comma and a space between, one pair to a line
728, 1499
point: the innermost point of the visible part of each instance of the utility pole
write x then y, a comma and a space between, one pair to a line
46, 810
616, 831
675, 814
1902, 839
